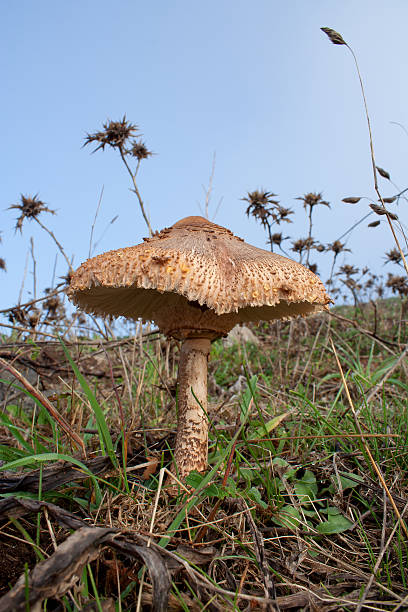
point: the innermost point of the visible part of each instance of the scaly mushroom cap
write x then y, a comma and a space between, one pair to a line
196, 279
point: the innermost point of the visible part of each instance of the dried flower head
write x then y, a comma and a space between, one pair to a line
303, 244
312, 268
334, 36
398, 284
337, 247
2, 264
313, 199
278, 238
352, 284
54, 307
139, 150
260, 203
114, 133
347, 270
393, 256
389, 200
34, 318
374, 224
18, 315
282, 214
30, 208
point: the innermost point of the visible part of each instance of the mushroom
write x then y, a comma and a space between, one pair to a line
196, 281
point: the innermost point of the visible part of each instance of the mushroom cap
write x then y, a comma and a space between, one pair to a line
195, 279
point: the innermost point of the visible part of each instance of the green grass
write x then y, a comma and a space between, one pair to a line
295, 458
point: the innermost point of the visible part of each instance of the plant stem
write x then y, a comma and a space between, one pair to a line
136, 190
373, 160
49, 232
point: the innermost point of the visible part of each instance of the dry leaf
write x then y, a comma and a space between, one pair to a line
151, 468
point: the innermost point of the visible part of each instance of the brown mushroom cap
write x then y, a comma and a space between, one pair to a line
196, 279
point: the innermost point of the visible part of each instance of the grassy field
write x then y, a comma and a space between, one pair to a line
304, 503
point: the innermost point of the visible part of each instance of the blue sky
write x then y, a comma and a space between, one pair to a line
256, 82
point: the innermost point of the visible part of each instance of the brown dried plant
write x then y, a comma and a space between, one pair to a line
30, 208
336, 248
393, 256
269, 212
310, 200
337, 39
119, 135
398, 284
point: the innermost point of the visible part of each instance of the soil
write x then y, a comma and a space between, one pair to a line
13, 557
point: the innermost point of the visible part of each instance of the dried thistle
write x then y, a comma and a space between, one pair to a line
337, 247
303, 244
139, 150
334, 36
398, 284
34, 318
379, 210
114, 133
260, 203
347, 270
393, 256
277, 239
268, 211
54, 308
282, 214
18, 315
312, 199
30, 208
117, 134
351, 200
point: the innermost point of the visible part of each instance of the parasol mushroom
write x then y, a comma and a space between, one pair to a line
196, 281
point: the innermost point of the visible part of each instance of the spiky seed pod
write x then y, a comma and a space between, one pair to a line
30, 207
114, 133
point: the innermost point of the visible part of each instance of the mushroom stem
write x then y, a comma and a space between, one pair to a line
191, 450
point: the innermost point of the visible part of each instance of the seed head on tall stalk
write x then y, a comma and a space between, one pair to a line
310, 200
337, 39
266, 210
120, 136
